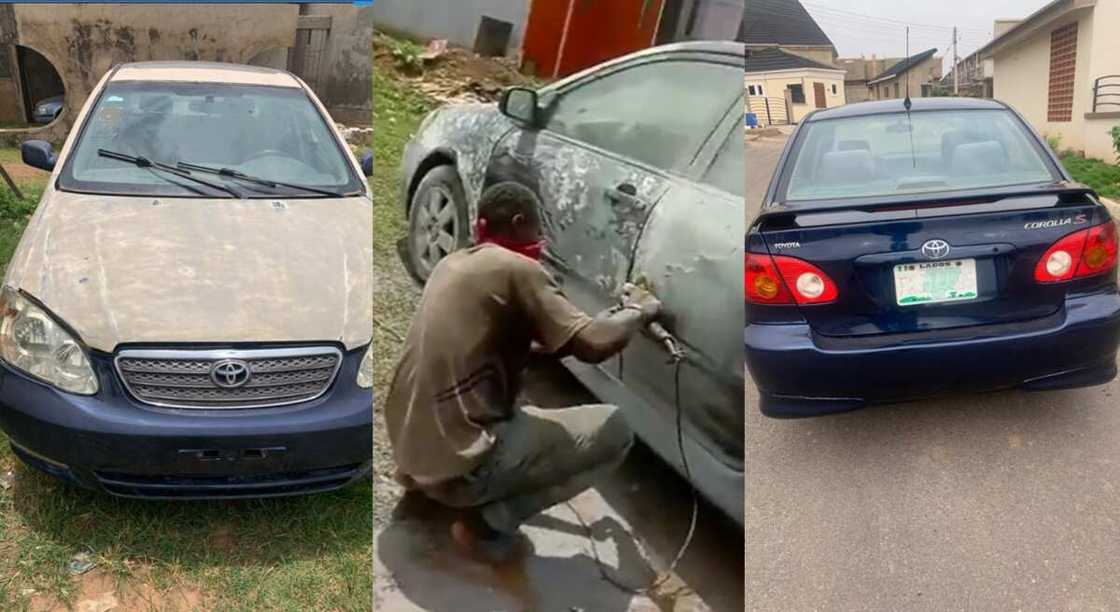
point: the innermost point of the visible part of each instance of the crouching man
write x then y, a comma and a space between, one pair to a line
457, 434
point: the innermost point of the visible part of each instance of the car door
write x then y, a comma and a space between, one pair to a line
611, 143
690, 253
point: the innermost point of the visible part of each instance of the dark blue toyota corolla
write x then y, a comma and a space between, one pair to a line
905, 253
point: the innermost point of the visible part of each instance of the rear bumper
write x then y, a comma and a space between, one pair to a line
796, 377
110, 442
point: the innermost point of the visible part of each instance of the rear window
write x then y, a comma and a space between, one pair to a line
926, 151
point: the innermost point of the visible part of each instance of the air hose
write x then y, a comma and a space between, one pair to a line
676, 356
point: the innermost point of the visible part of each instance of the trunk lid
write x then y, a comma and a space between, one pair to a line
859, 249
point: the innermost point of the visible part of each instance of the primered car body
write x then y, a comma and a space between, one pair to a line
173, 333
904, 253
638, 166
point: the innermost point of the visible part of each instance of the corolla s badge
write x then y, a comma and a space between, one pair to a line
935, 249
230, 373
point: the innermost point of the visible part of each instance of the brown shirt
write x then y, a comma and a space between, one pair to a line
464, 354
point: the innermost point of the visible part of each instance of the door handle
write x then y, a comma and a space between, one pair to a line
623, 193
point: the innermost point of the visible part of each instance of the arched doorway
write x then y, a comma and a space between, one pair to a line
40, 87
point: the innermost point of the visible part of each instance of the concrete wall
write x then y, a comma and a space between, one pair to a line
83, 41
824, 55
10, 109
774, 86
346, 88
717, 20
1021, 79
456, 21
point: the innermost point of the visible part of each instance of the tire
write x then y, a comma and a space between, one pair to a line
437, 221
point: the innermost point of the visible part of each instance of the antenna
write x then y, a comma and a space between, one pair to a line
907, 103
906, 73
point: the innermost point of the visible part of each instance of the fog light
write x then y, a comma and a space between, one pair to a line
766, 287
1059, 263
810, 285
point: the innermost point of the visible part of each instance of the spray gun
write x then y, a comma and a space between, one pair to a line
658, 332
663, 337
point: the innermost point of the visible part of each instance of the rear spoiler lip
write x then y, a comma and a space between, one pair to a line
1058, 188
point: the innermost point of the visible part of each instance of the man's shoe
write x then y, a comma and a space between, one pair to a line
478, 540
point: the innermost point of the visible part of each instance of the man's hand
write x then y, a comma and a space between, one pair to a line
640, 299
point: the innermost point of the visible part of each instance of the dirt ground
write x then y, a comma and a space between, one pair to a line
633, 522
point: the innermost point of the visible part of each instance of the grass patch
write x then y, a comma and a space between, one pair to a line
398, 110
305, 553
1101, 176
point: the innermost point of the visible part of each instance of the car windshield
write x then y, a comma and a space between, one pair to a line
919, 152
274, 133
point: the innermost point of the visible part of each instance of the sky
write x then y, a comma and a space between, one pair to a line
879, 26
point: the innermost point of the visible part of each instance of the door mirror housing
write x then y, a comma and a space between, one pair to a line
367, 163
38, 154
520, 104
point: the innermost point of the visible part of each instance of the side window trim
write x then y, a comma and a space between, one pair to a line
686, 169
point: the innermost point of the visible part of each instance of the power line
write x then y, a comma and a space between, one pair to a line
865, 16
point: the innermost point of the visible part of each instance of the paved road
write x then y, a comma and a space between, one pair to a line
762, 156
1006, 501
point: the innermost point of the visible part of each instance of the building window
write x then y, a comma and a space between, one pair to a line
834, 89
896, 90
797, 94
1063, 62
755, 90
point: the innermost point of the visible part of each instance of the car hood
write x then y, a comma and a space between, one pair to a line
172, 270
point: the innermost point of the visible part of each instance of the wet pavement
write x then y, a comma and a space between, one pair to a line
1002, 501
637, 519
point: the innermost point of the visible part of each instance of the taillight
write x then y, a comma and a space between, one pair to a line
786, 280
1088, 252
763, 283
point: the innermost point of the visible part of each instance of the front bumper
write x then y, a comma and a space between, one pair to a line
796, 376
112, 443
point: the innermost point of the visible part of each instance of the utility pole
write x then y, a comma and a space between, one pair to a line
956, 66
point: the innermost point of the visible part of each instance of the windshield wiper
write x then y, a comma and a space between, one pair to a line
241, 176
144, 162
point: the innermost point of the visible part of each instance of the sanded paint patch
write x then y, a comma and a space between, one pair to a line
143, 269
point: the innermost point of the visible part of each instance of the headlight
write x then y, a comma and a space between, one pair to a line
365, 370
33, 342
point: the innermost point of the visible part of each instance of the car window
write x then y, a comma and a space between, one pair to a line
268, 132
927, 151
657, 113
727, 170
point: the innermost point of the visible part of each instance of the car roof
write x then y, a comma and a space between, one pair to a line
883, 107
204, 72
705, 46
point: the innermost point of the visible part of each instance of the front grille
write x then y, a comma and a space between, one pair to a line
186, 378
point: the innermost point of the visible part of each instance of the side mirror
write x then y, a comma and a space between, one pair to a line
367, 163
520, 104
38, 154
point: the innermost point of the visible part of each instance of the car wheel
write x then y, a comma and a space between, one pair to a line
437, 220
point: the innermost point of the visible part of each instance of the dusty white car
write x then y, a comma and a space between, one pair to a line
188, 312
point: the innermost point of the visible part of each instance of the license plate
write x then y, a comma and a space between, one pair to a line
932, 282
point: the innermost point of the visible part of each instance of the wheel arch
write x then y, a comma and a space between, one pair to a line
434, 159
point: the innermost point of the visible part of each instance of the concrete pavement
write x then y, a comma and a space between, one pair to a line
1003, 501
637, 519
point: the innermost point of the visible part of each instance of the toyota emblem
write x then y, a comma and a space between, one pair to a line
230, 373
935, 249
